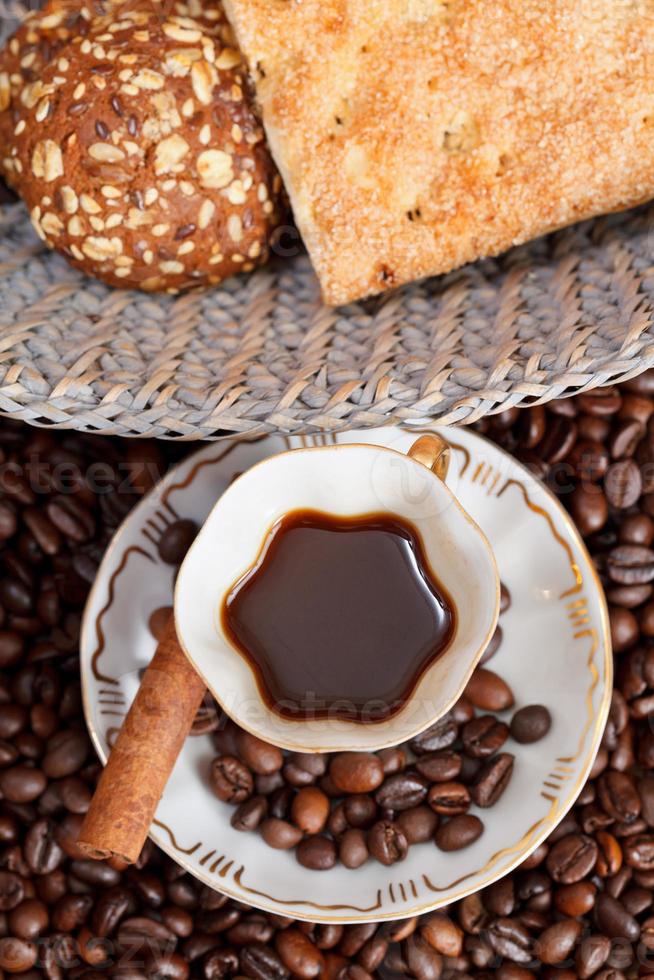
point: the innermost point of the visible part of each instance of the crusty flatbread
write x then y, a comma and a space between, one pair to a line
416, 135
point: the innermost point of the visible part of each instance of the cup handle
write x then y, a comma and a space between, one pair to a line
433, 452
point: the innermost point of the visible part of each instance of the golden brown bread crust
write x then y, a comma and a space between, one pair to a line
416, 135
136, 150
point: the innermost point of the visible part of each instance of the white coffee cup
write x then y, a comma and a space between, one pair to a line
345, 480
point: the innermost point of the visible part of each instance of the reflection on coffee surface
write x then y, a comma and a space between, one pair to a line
340, 616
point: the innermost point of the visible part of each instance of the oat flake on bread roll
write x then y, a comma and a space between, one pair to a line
137, 152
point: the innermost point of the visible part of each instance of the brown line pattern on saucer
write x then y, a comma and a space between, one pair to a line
592, 633
564, 544
190, 477
102, 642
182, 850
238, 878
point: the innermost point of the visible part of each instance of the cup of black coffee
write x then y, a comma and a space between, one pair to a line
338, 598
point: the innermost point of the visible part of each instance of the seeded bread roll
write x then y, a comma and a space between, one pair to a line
138, 155
32, 47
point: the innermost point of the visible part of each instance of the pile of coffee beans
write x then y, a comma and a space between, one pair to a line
581, 906
350, 806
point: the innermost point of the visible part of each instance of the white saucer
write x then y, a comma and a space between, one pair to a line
555, 651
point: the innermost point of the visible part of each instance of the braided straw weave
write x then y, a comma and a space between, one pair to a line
261, 353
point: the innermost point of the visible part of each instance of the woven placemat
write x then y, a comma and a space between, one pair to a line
261, 353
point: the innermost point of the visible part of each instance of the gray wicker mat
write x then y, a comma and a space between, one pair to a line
261, 353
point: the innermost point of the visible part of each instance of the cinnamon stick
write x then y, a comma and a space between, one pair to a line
141, 761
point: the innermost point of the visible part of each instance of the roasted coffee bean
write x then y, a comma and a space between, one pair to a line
248, 815
509, 938
359, 810
639, 852
259, 756
462, 711
401, 792
630, 564
220, 963
280, 834
636, 900
71, 912
439, 736
449, 799
13, 719
530, 724
488, 692
630, 596
310, 810
71, 518
176, 540
589, 459
12, 891
317, 852
614, 920
591, 955
418, 824
560, 437
442, 934
66, 753
353, 849
600, 402
619, 796
439, 767
459, 832
572, 858
576, 899
484, 736
231, 781
557, 942
12, 646
387, 843
423, 962
356, 772
29, 919
337, 823
255, 928
279, 802
22, 784
623, 484
589, 508
392, 759
139, 932
609, 856
299, 954
492, 779
17, 955
624, 629
166, 966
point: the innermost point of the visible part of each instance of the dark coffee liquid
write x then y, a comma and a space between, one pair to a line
340, 617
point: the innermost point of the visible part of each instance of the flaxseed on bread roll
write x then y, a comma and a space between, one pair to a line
22, 60
138, 154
